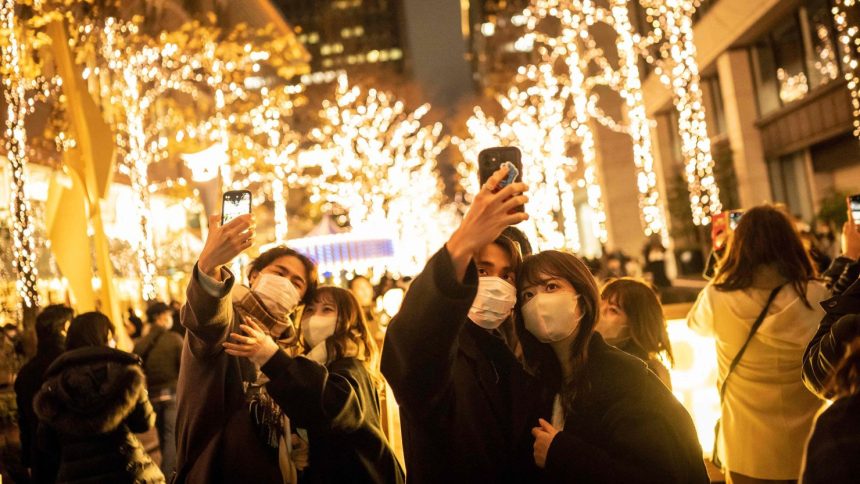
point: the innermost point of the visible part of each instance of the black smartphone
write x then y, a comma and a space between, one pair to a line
491, 159
854, 208
234, 204
735, 218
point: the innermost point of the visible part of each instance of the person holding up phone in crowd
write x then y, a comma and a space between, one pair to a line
229, 429
841, 323
465, 401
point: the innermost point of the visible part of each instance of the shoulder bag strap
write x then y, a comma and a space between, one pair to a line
753, 330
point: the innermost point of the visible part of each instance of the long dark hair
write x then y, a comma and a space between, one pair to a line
765, 236
50, 327
644, 312
351, 328
539, 357
89, 329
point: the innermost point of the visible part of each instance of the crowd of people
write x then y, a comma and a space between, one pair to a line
507, 366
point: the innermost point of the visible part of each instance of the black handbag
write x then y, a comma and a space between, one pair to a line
715, 458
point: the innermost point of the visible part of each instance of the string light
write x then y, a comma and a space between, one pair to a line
677, 68
849, 41
18, 105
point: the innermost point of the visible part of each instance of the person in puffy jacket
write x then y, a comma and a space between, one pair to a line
92, 402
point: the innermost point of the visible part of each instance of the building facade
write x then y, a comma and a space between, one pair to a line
778, 108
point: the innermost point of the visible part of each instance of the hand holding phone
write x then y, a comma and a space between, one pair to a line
234, 235
234, 204
854, 209
491, 160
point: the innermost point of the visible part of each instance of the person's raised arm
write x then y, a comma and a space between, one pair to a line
208, 312
421, 341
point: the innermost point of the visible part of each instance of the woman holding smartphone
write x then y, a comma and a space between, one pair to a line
612, 420
331, 391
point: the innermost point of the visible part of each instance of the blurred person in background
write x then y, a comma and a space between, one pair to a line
363, 290
607, 418
766, 277
631, 319
654, 255
161, 351
331, 390
841, 322
466, 402
52, 324
133, 325
833, 446
93, 398
229, 429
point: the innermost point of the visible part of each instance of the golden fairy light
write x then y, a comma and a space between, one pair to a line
377, 162
845, 16
672, 31
18, 105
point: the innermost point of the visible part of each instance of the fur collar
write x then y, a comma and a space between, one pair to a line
90, 391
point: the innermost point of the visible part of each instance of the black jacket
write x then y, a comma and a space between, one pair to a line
466, 404
92, 401
626, 427
161, 351
833, 447
338, 405
27, 384
838, 327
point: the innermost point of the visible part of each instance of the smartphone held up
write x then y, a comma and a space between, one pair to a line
234, 204
491, 160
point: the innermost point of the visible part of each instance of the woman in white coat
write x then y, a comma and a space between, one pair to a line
767, 412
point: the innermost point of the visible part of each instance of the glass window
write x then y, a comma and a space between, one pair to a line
714, 105
764, 67
789, 57
790, 185
820, 41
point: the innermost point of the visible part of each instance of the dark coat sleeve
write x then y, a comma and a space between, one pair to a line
645, 434
142, 418
838, 327
206, 318
26, 418
421, 340
841, 274
318, 397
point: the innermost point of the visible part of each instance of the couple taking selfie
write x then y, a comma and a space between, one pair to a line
493, 360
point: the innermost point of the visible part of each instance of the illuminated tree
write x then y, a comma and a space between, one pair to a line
378, 163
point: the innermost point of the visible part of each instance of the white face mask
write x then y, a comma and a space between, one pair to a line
551, 317
317, 328
493, 303
278, 294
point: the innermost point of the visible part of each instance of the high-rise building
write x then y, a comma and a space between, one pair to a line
353, 36
495, 47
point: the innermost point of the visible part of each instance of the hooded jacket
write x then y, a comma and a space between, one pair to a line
767, 411
91, 403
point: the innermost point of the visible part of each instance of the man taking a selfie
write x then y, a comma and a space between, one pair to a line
228, 429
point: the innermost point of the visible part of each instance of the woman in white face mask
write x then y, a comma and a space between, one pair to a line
607, 418
331, 391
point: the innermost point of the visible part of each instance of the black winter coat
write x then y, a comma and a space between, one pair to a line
91, 403
838, 327
27, 384
833, 447
466, 404
338, 405
626, 427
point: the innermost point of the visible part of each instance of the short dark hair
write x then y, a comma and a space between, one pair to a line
520, 238
89, 329
275, 253
50, 324
155, 310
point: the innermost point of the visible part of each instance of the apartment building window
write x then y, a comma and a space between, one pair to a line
796, 57
714, 106
790, 184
